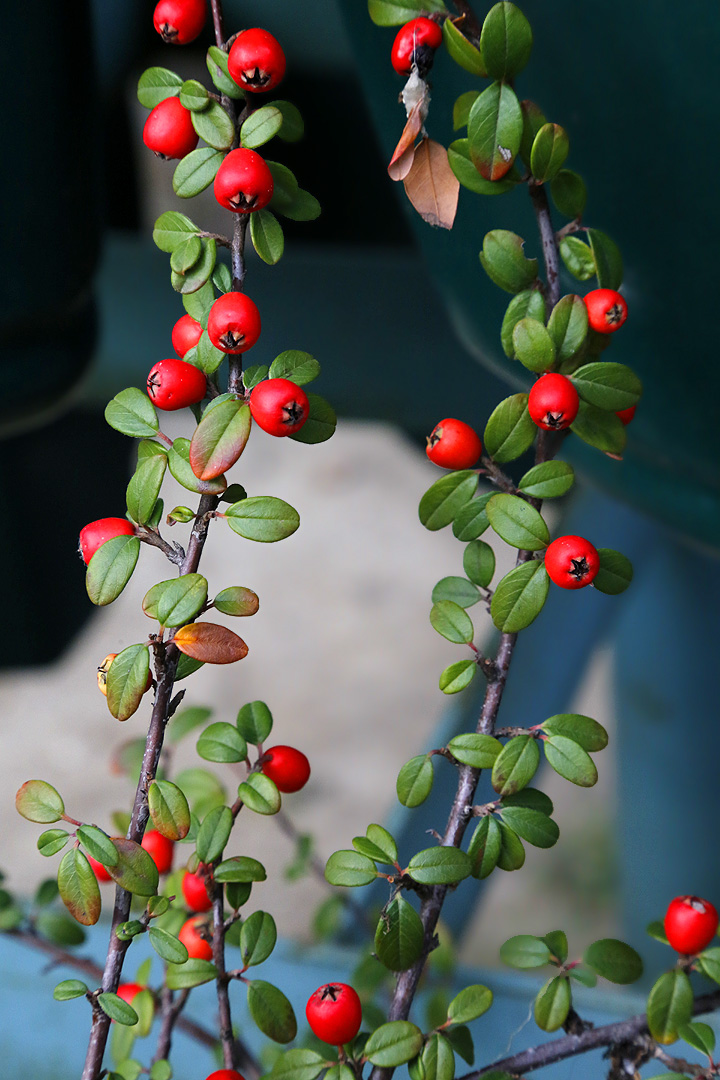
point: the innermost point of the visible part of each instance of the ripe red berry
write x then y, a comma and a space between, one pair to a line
690, 924
179, 21
553, 402
415, 43
127, 991
174, 384
225, 1074
626, 415
234, 323
99, 532
255, 61
195, 892
185, 334
606, 309
98, 869
572, 562
243, 182
288, 767
168, 130
190, 934
334, 1013
453, 444
279, 406
160, 850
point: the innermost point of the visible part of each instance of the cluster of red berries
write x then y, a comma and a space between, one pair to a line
415, 45
690, 924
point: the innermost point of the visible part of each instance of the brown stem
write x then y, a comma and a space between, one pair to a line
221, 979
218, 22
170, 1009
174, 552
541, 207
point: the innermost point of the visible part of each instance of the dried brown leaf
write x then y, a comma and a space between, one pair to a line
432, 186
210, 643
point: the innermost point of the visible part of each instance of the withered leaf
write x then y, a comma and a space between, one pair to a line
432, 186
210, 643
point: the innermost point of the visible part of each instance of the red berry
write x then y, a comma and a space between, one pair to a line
195, 892
98, 869
454, 445
626, 415
168, 130
288, 767
690, 924
99, 532
572, 562
198, 947
174, 384
415, 44
606, 309
334, 1013
553, 402
279, 406
160, 850
179, 21
185, 334
255, 61
127, 991
225, 1074
234, 323
243, 182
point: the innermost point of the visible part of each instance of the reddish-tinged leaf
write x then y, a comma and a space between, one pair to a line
416, 100
432, 186
219, 439
78, 888
210, 643
38, 801
135, 869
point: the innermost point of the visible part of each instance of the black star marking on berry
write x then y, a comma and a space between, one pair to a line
256, 77
579, 568
332, 992
613, 315
554, 419
241, 201
292, 413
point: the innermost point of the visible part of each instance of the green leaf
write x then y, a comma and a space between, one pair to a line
463, 105
185, 721
135, 870
300, 367
133, 413
399, 936
471, 520
457, 589
260, 794
222, 742
437, 1060
504, 262
519, 597
194, 96
167, 946
254, 722
656, 930
569, 760
608, 259
615, 573
397, 12
608, 386
59, 928
298, 1064
466, 172
495, 128
415, 781
240, 869
267, 236
198, 304
182, 599
525, 951
457, 676
192, 973
534, 827
160, 1070
97, 844
439, 866
144, 488
271, 1011
583, 976
196, 171
479, 562
601, 429
257, 938
552, 1004
569, 193
260, 127
568, 326
214, 126
452, 622
38, 801
548, 480
127, 680
220, 438
464, 53
532, 345
509, 432
78, 887
320, 424
236, 600
52, 840
445, 497
350, 868
169, 809
117, 1009
393, 1044
199, 273
528, 304
549, 149
202, 789
578, 257
517, 522
155, 84
512, 852
700, 1036
217, 65
478, 751
69, 989
293, 126
179, 465
111, 568
171, 229
669, 1005
614, 960
515, 765
557, 943
485, 847
461, 1041
506, 41
263, 518
469, 1004
581, 729
214, 834
531, 799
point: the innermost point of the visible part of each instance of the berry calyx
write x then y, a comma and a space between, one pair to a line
279, 406
234, 323
553, 402
127, 991
626, 415
415, 45
334, 1013
98, 869
168, 130
256, 61
191, 935
287, 767
453, 444
606, 309
690, 924
160, 850
174, 384
99, 532
185, 334
195, 891
225, 1074
572, 562
179, 21
243, 182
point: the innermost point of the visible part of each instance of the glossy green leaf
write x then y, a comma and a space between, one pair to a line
504, 261
207, 357
517, 522
442, 501
397, 12
578, 258
614, 961
393, 1044
110, 569
192, 973
533, 119
78, 887
240, 869
467, 173
656, 930
144, 488
222, 742
549, 149
182, 599
457, 676
524, 951
237, 600
532, 799
260, 794
263, 518
194, 96
186, 255
581, 729
117, 1009
569, 193
439, 866
320, 424
462, 107
257, 938
615, 573
452, 622
69, 989
254, 722
179, 465
519, 597
127, 680
135, 870
584, 976
469, 1004
462, 1043
267, 236
214, 126
260, 127
608, 386
298, 1064
669, 1005
509, 431
155, 84
532, 345
515, 765
462, 51
196, 171
293, 126
382, 842
479, 562
350, 868
169, 809
415, 781
217, 65
199, 273
271, 1011
38, 801
548, 480
494, 131
568, 326
479, 751
552, 1004
300, 367
608, 259
485, 847
437, 1060
52, 840
214, 834
457, 589
97, 844
569, 760
532, 826
471, 520
133, 413
198, 304
173, 228
557, 943
600, 428
399, 936
528, 304
220, 439
167, 946
506, 41
700, 1036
